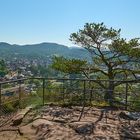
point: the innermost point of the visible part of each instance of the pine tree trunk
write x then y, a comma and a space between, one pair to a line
109, 94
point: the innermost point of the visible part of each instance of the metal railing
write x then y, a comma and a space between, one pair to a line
66, 86
17, 94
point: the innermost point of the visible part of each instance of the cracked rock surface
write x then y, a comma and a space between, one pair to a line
59, 123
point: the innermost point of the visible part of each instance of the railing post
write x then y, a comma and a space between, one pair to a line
84, 90
126, 96
84, 102
0, 99
90, 92
43, 93
63, 92
19, 94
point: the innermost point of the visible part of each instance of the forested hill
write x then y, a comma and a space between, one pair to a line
41, 50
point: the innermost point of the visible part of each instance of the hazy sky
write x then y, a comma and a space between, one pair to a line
35, 21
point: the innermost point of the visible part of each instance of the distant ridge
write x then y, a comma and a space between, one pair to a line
43, 50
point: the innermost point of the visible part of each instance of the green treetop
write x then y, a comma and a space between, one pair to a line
113, 57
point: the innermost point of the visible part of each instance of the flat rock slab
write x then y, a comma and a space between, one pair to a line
42, 129
83, 128
19, 117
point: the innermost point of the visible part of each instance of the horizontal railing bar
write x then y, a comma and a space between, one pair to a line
71, 79
14, 81
83, 79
